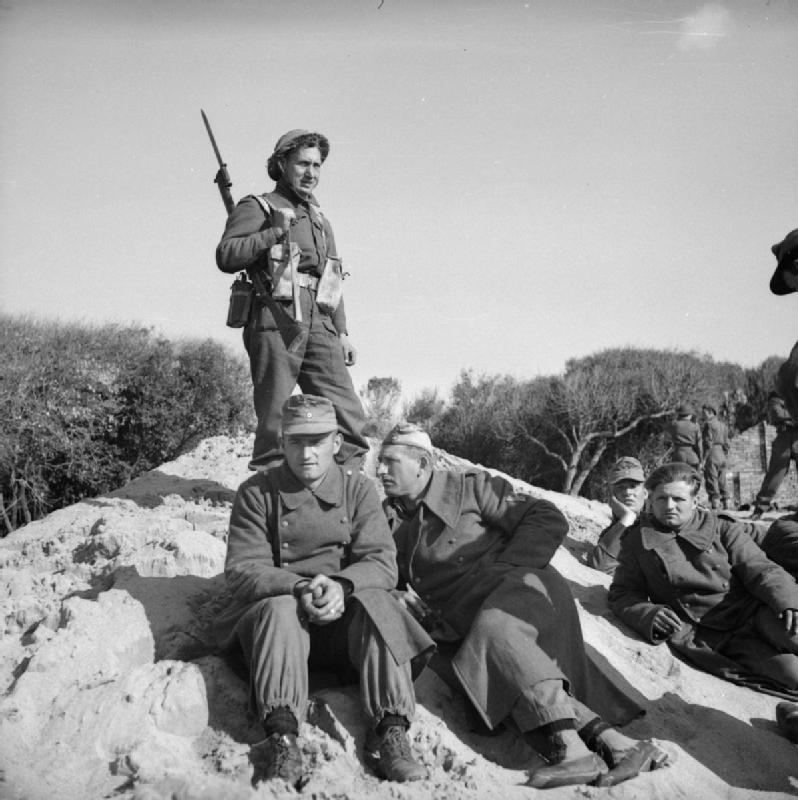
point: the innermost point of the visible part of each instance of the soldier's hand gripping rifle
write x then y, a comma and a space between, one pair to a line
290, 329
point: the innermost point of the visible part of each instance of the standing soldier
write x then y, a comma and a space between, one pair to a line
685, 437
783, 450
716, 449
296, 331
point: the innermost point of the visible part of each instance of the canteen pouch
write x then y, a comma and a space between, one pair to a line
240, 302
330, 289
280, 271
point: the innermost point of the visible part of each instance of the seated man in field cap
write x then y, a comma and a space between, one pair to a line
785, 277
474, 559
310, 565
627, 498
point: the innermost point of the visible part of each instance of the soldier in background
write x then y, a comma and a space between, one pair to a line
716, 450
684, 436
783, 450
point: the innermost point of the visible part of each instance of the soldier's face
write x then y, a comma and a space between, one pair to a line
301, 170
310, 456
399, 471
630, 493
673, 504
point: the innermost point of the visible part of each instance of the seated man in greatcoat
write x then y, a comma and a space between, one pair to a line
473, 558
310, 566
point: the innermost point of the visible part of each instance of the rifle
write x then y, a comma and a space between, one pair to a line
292, 332
222, 179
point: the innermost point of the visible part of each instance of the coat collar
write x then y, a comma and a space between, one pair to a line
293, 492
699, 531
444, 496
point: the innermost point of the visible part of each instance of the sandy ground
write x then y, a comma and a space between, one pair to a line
110, 689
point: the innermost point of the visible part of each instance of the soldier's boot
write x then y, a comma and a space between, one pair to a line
393, 758
283, 760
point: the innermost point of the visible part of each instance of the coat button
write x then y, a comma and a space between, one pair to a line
285, 523
285, 545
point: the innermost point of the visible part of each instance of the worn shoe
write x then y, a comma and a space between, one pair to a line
643, 757
568, 773
283, 760
393, 759
787, 719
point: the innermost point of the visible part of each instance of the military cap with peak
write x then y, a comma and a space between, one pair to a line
409, 434
308, 413
627, 469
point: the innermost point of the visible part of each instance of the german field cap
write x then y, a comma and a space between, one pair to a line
627, 469
308, 413
784, 251
409, 434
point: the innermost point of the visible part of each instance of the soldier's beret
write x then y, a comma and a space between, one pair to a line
308, 413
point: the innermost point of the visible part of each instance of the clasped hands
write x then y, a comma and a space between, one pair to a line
321, 599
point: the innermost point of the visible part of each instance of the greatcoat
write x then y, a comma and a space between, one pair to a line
281, 532
477, 552
714, 576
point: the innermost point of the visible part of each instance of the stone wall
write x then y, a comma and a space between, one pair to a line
748, 460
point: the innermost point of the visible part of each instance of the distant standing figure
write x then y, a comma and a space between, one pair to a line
256, 231
685, 437
783, 450
698, 581
785, 277
627, 498
716, 450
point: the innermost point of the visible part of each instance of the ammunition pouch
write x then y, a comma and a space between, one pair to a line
240, 305
279, 269
330, 289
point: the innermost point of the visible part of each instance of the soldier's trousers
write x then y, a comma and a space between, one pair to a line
280, 646
784, 448
315, 362
686, 455
715, 475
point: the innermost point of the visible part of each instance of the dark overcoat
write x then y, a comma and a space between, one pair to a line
477, 552
712, 574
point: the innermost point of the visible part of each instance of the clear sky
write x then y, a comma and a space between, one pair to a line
511, 184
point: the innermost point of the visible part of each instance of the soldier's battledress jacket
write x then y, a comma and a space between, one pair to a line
711, 573
281, 532
477, 552
249, 234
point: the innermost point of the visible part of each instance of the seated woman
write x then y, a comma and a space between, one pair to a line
699, 582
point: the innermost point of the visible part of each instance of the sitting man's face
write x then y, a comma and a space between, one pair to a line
398, 470
630, 493
310, 455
